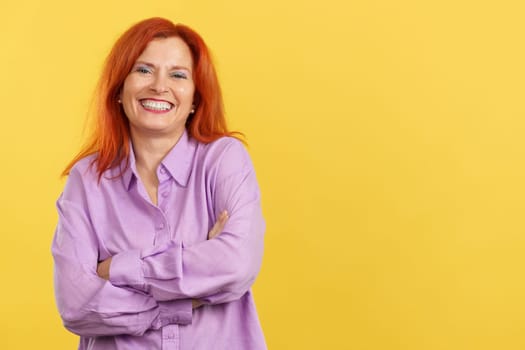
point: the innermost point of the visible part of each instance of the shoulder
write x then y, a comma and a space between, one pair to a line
82, 178
227, 147
226, 155
84, 169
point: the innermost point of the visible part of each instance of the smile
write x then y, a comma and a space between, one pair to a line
157, 106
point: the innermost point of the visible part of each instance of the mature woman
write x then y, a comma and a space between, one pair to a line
160, 232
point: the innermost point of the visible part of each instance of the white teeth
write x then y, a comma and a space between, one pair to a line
156, 105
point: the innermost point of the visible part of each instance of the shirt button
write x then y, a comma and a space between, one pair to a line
162, 171
160, 226
165, 194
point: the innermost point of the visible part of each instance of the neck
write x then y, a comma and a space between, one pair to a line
149, 151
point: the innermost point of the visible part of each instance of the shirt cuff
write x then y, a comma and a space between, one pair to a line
163, 262
176, 312
126, 270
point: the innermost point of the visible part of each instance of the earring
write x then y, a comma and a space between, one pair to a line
192, 109
119, 101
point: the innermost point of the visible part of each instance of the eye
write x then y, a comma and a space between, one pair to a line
179, 75
143, 70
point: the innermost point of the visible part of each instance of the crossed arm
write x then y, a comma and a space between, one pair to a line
103, 268
138, 290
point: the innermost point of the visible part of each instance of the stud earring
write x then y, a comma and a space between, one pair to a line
119, 101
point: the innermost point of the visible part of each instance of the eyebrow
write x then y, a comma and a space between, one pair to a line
176, 67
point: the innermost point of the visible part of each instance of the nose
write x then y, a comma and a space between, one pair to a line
159, 84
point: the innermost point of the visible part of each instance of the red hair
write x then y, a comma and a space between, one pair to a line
111, 135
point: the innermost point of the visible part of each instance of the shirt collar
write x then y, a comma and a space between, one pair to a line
177, 162
129, 173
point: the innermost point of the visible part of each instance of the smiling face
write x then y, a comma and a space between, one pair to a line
157, 95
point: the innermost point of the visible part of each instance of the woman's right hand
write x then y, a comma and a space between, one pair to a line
214, 232
219, 225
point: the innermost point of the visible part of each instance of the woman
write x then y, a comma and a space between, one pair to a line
160, 232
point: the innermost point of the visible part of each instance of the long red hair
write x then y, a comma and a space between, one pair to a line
110, 136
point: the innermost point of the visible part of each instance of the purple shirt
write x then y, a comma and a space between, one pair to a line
161, 255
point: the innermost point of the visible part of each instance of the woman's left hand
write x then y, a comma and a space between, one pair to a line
214, 232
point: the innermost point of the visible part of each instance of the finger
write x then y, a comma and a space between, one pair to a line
195, 303
223, 218
219, 225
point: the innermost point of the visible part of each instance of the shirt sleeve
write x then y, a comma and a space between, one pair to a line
89, 305
218, 270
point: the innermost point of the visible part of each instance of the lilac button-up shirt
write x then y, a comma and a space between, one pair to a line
161, 255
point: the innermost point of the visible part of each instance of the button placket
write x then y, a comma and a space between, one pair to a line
161, 230
164, 192
170, 337
161, 225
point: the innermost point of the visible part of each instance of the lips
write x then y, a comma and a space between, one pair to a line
155, 105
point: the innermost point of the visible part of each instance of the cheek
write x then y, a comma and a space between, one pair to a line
186, 93
132, 85
127, 101
127, 106
125, 93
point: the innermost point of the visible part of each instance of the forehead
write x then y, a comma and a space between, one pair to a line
171, 51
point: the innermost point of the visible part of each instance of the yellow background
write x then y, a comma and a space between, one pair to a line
388, 138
